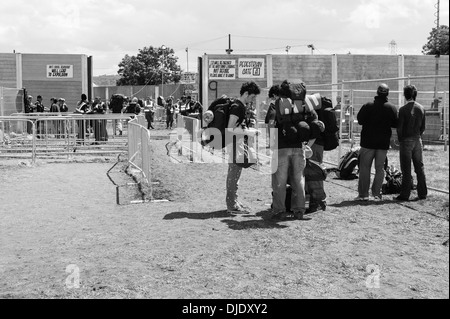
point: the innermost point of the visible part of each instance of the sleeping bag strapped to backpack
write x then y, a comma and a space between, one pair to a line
347, 164
221, 110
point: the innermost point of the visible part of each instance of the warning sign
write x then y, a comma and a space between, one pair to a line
222, 69
59, 71
251, 68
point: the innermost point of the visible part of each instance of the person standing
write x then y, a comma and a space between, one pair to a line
269, 120
288, 158
40, 128
62, 109
238, 110
29, 109
170, 111
377, 119
411, 125
83, 107
99, 125
149, 112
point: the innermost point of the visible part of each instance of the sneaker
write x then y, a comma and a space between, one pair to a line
323, 205
361, 199
377, 198
279, 216
311, 210
238, 210
299, 215
243, 206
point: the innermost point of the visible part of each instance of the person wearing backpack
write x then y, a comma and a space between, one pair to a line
326, 140
291, 132
269, 120
237, 122
411, 125
377, 119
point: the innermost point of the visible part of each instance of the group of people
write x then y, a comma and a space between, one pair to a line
295, 142
378, 118
56, 106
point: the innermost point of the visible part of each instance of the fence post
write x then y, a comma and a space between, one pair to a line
33, 147
445, 120
350, 119
340, 122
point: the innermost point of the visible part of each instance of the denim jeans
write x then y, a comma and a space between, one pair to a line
366, 157
290, 161
234, 174
411, 149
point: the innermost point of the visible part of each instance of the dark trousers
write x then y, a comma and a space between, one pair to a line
411, 150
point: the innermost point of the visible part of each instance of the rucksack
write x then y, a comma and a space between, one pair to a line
116, 103
393, 179
327, 115
221, 110
347, 164
291, 120
298, 91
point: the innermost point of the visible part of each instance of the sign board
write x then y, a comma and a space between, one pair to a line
222, 69
251, 68
59, 71
188, 78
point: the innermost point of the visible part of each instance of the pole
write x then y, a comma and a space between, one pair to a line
187, 59
229, 50
445, 117
436, 43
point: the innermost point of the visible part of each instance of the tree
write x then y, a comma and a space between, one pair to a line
148, 66
442, 40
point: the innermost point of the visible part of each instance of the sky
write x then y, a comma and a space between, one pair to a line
110, 29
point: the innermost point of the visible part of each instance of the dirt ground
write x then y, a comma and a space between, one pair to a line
60, 222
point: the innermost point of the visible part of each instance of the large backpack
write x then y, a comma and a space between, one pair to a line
327, 115
291, 120
221, 110
393, 178
347, 164
116, 103
298, 91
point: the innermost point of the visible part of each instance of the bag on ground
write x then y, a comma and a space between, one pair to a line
347, 165
393, 178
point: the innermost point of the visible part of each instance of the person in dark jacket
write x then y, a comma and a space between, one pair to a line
377, 119
274, 93
411, 125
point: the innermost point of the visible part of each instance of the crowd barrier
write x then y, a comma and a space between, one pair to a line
37, 135
139, 150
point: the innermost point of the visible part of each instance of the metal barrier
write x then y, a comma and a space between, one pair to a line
17, 138
42, 135
11, 101
139, 150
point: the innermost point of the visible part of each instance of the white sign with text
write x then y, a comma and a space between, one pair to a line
59, 71
222, 69
251, 68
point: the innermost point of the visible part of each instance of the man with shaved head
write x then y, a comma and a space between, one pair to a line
377, 119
